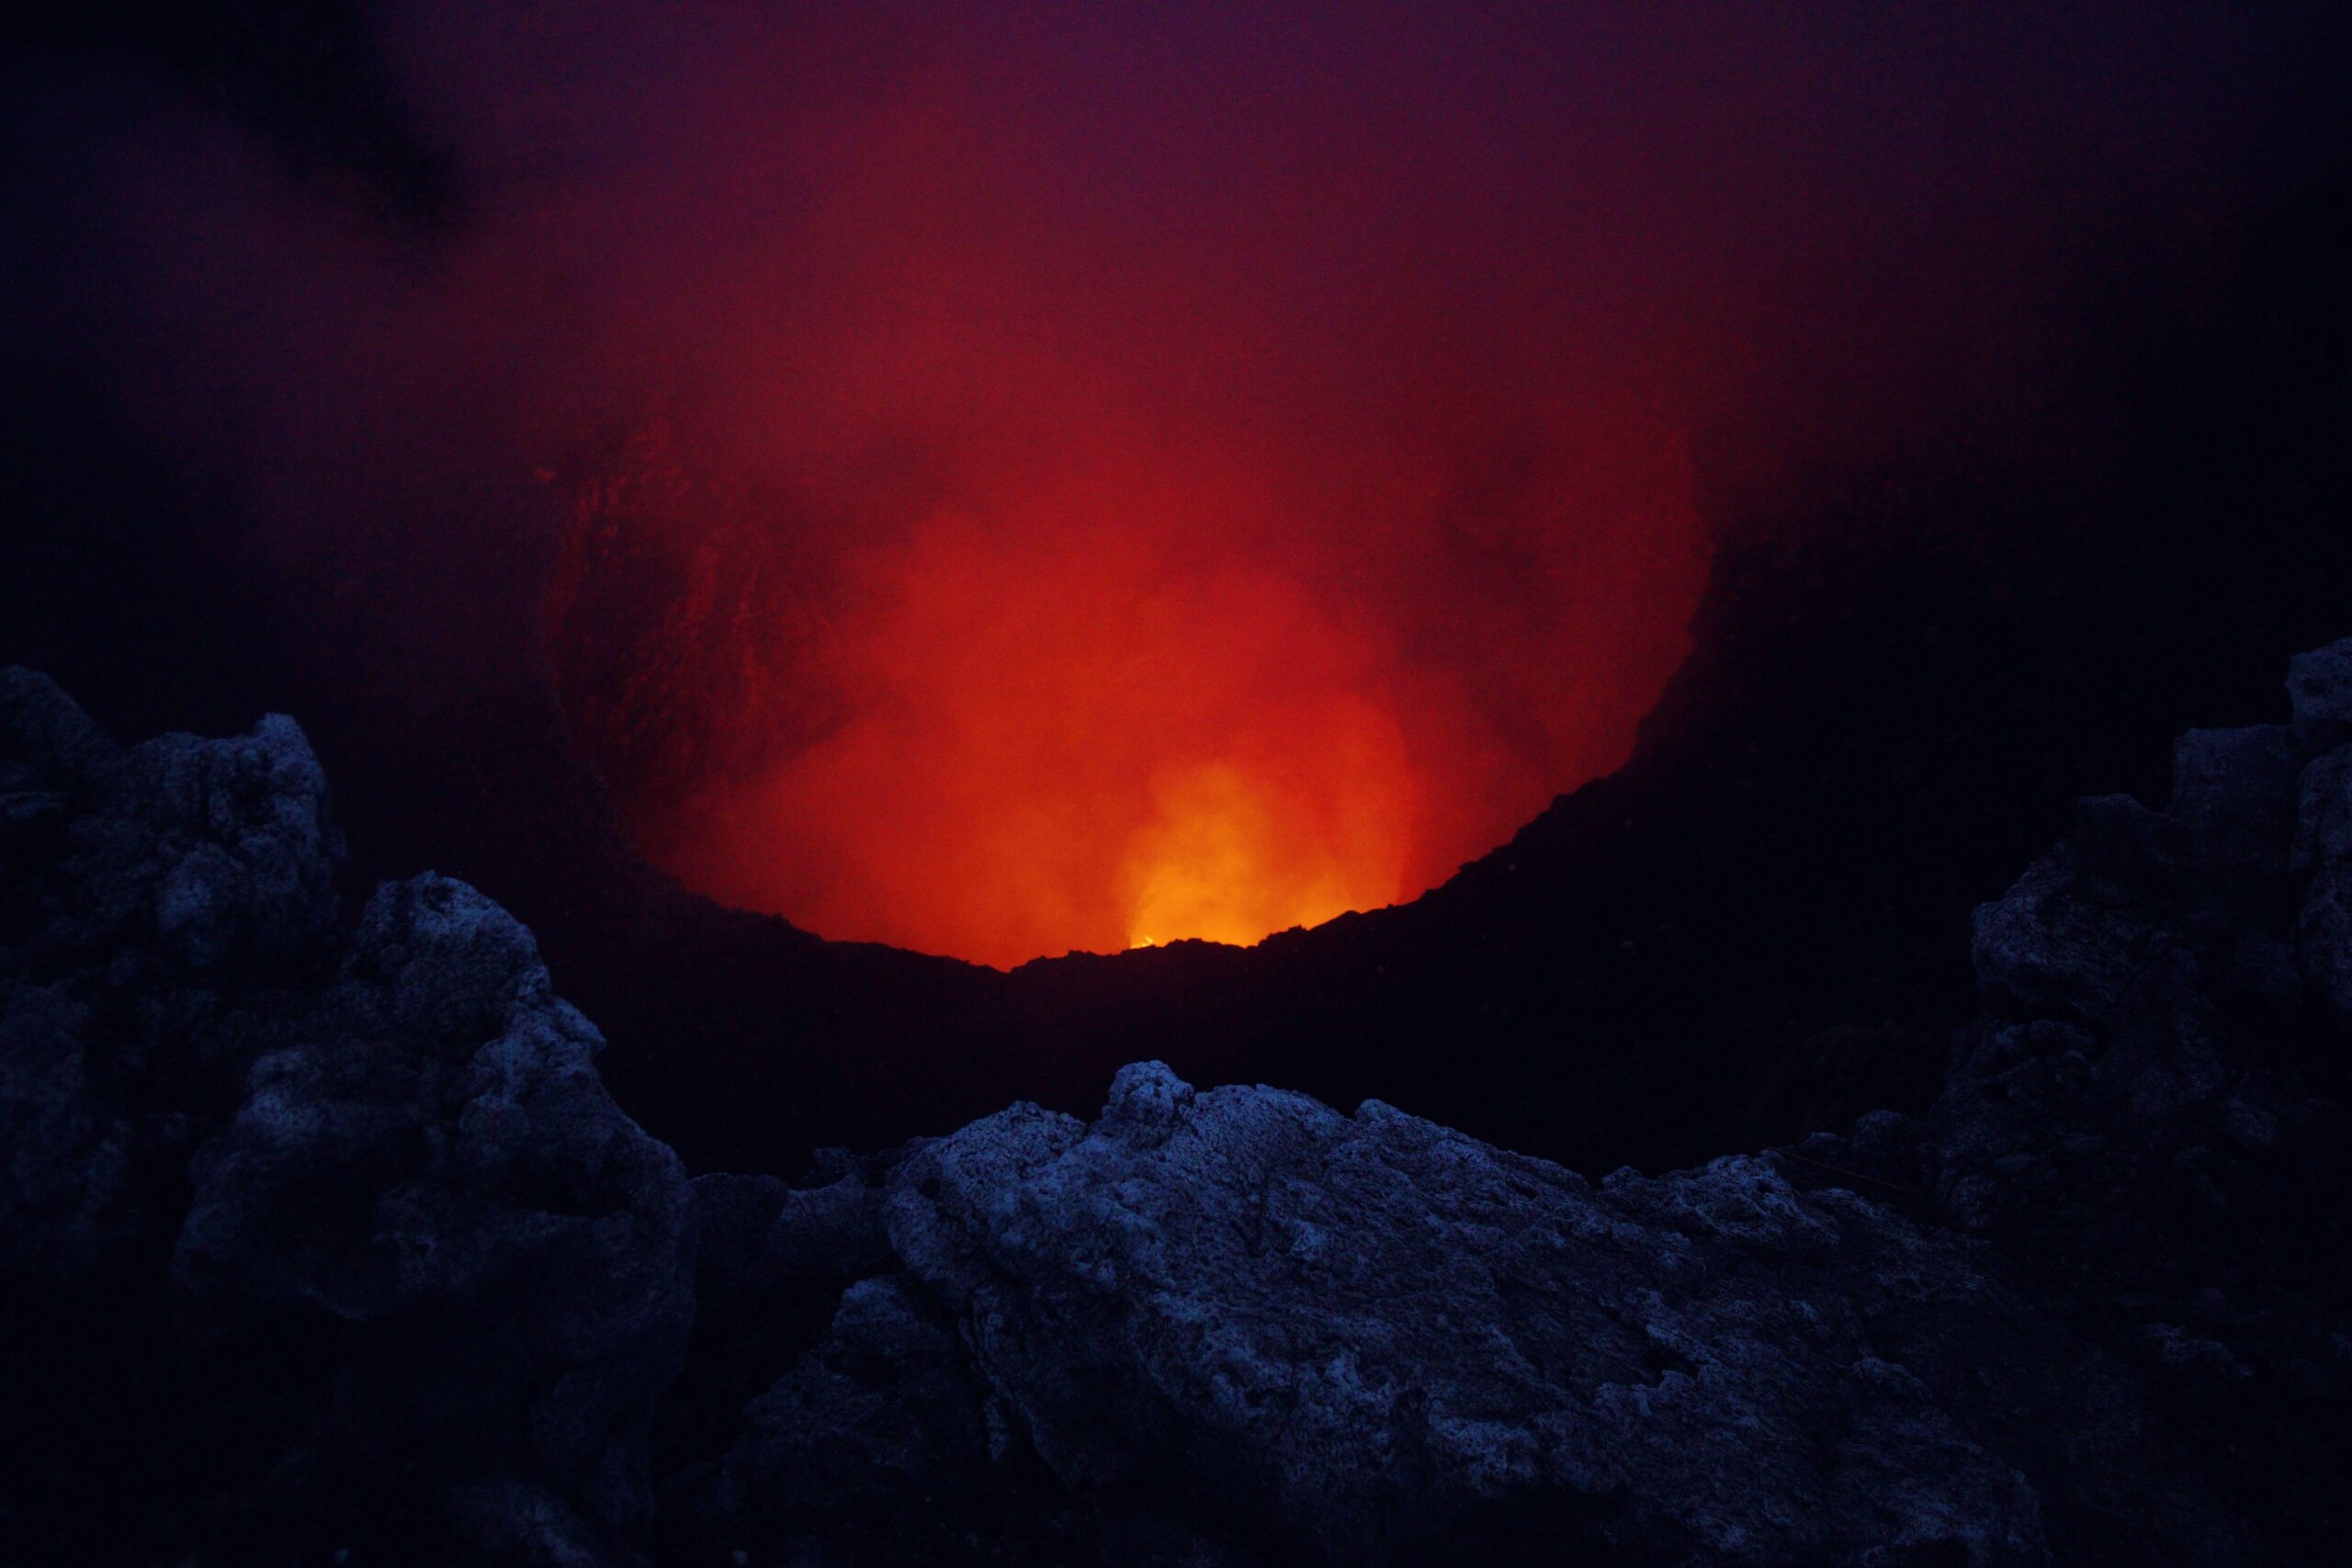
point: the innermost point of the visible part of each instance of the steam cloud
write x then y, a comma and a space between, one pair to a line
1001, 479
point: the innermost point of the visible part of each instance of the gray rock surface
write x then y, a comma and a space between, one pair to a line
2319, 691
371, 1179
431, 1159
322, 1236
2149, 1123
1385, 1341
152, 893
2322, 858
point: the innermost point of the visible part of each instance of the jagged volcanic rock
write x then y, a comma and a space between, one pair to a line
321, 1236
392, 1267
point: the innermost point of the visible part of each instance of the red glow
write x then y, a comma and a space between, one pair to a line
1038, 473
1063, 744
1098, 526
1125, 703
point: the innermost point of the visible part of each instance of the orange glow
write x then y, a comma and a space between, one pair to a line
1229, 855
1044, 546
1069, 743
1005, 734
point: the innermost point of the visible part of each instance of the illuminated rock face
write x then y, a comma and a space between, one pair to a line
321, 1236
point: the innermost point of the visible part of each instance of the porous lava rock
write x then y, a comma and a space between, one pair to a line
341, 1219
322, 1241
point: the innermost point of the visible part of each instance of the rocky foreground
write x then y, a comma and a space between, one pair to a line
321, 1241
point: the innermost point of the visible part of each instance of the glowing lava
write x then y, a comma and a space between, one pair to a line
1234, 850
1051, 539
1061, 740
1002, 734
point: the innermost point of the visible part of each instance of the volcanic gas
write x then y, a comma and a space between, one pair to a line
1039, 477
1117, 704
1085, 523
